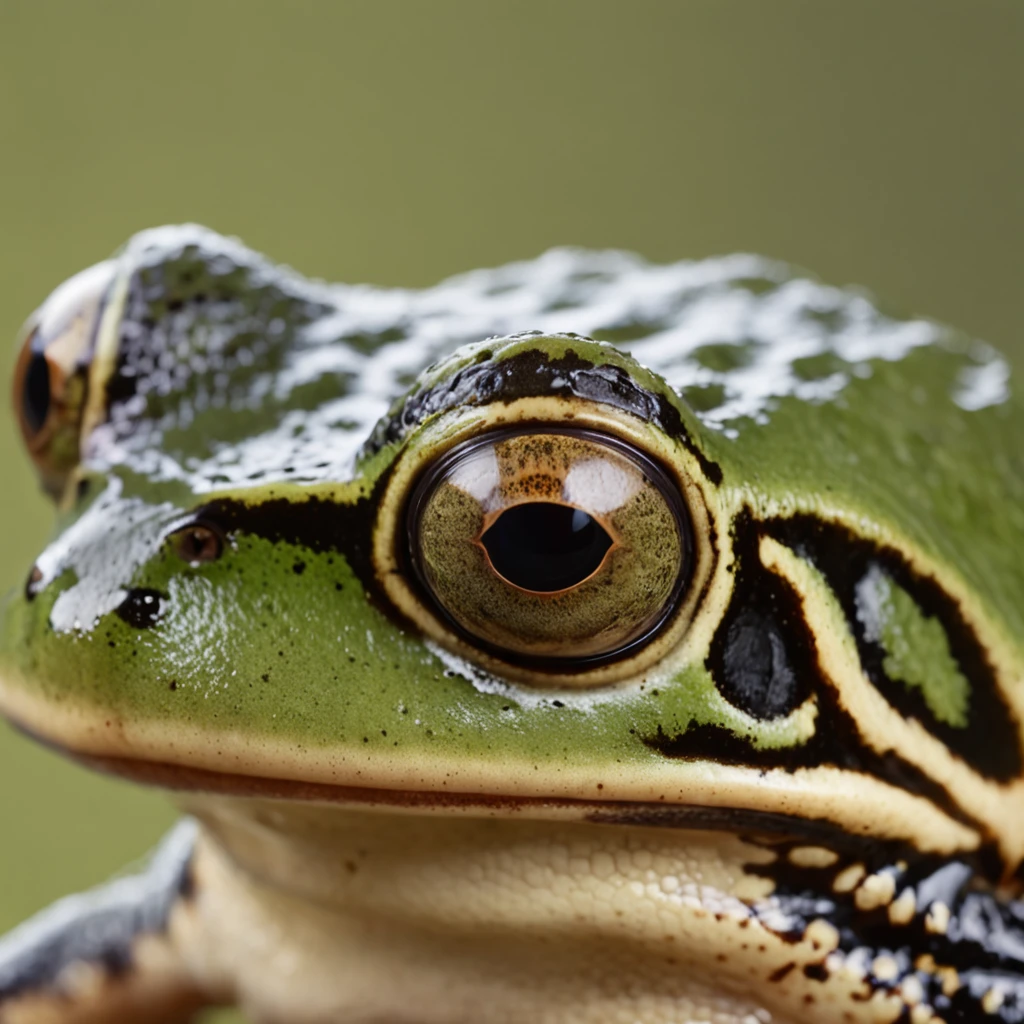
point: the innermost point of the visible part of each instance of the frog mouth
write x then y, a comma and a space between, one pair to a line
188, 779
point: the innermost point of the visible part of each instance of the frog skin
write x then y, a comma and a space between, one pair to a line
581, 640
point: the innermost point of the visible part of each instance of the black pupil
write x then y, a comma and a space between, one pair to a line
545, 547
36, 397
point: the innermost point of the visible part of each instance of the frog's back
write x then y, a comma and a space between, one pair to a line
807, 390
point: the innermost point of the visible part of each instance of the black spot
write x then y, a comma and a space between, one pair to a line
763, 656
299, 568
756, 673
142, 607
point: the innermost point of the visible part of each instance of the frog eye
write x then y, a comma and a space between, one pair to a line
51, 376
197, 543
565, 546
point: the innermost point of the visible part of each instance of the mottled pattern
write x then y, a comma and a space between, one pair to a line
306, 370
925, 932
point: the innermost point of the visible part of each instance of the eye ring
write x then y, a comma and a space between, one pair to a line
411, 552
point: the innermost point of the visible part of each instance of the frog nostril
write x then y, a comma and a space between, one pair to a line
141, 608
35, 577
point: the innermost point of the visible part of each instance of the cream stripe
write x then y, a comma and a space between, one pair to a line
855, 802
104, 360
882, 727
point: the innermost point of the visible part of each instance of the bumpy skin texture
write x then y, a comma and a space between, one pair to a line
840, 685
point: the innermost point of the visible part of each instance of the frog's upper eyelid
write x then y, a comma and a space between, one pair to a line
533, 365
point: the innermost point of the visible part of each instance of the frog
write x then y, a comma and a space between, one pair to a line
578, 640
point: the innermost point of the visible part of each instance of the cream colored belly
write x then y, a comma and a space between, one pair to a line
315, 914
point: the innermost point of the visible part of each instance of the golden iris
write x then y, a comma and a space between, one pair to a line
551, 544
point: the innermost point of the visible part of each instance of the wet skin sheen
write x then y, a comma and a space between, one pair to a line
581, 640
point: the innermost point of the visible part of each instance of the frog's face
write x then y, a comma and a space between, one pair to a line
332, 542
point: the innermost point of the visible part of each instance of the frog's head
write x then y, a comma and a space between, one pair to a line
383, 546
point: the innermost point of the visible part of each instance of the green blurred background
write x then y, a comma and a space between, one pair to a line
399, 142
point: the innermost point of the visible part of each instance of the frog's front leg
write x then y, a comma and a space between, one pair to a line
110, 954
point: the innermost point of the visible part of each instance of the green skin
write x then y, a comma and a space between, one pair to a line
890, 446
905, 432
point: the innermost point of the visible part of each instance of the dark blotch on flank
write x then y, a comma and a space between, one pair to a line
141, 608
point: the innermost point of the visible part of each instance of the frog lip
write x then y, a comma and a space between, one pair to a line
185, 779
636, 813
